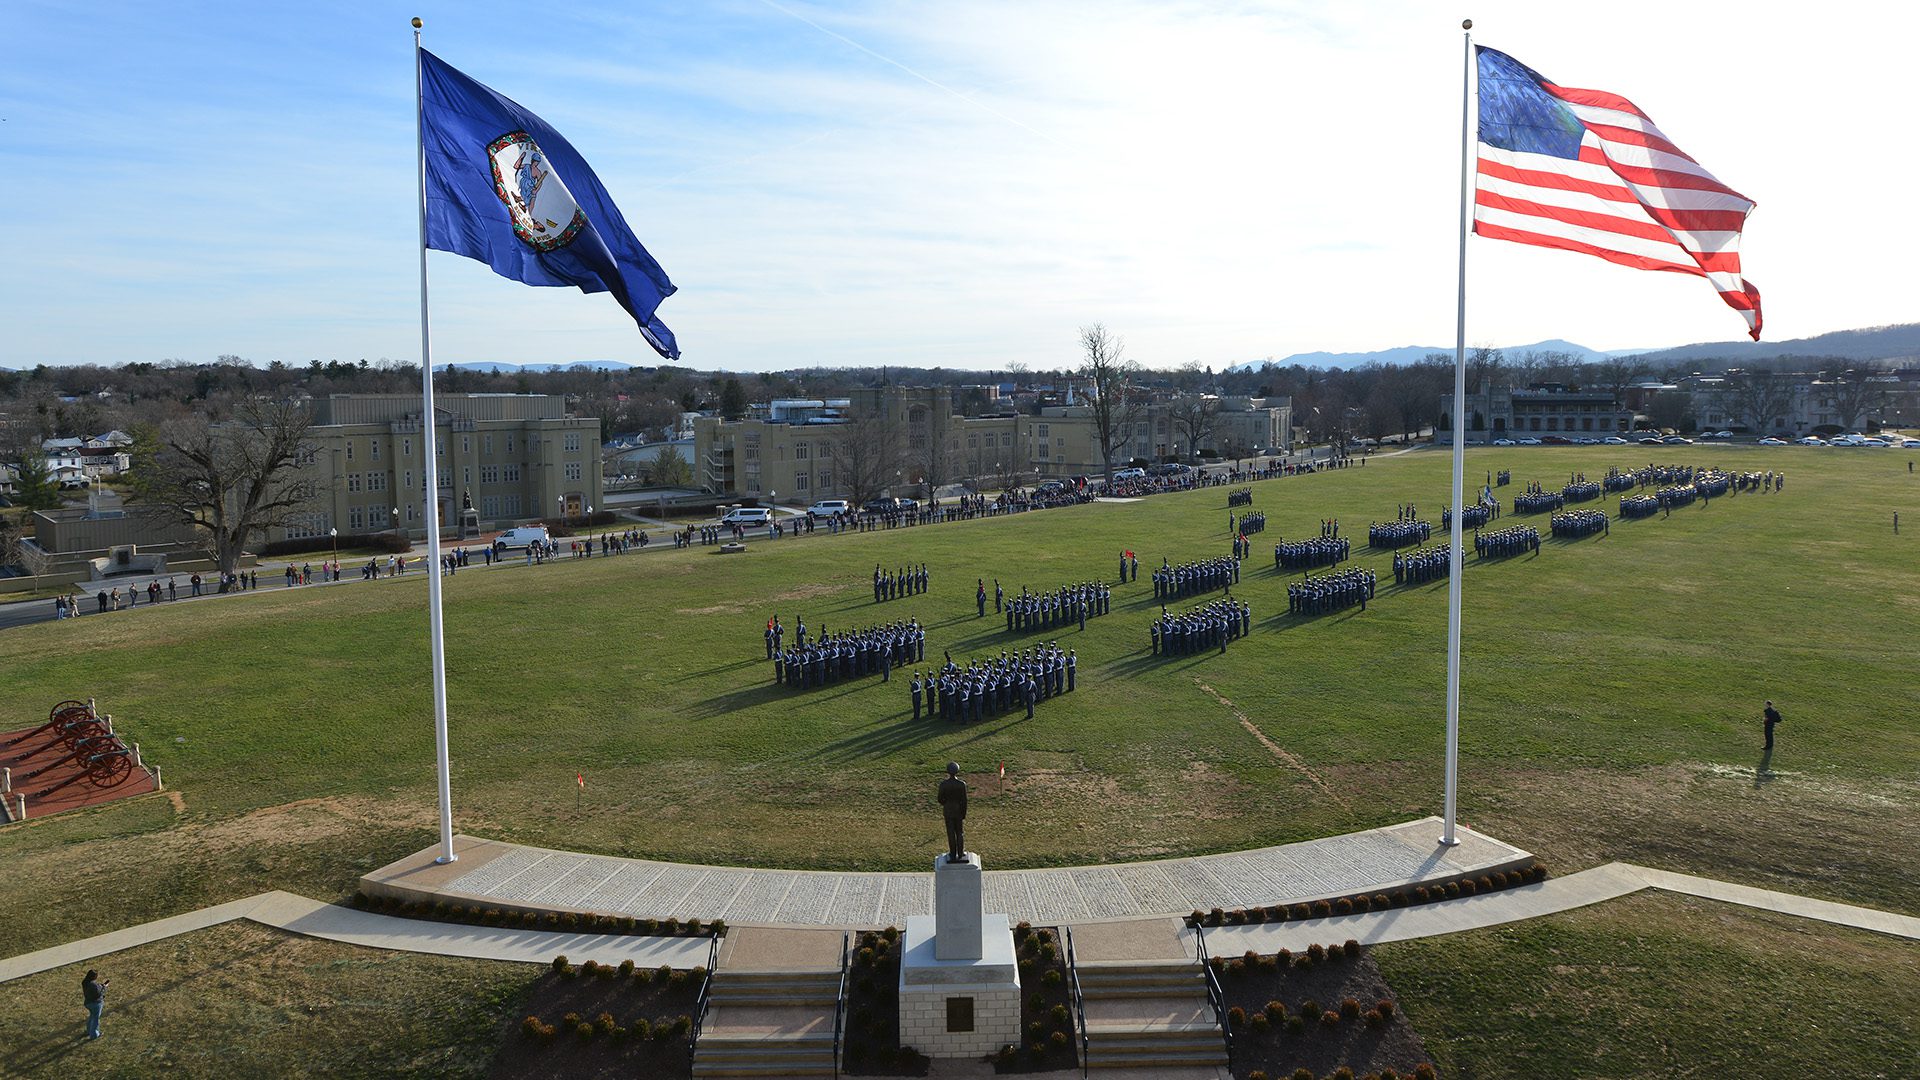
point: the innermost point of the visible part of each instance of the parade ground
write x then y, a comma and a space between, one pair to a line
622, 708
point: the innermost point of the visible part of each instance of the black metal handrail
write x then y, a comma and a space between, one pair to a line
1079, 1000
706, 995
1216, 996
840, 1001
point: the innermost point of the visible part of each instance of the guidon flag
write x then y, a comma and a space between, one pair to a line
1587, 171
504, 188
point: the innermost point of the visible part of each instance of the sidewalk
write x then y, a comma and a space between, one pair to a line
299, 915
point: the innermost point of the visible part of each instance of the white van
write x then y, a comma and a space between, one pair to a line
747, 516
827, 508
522, 536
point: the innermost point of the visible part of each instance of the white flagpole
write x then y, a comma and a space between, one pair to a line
1459, 445
431, 449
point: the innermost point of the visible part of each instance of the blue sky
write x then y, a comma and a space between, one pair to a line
915, 183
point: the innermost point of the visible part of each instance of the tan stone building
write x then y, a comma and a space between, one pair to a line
515, 456
786, 449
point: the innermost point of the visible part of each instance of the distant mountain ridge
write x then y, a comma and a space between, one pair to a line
1899, 342
495, 367
1407, 354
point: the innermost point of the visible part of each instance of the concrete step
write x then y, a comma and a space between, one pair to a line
1128, 979
768, 1056
772, 999
1217, 1058
776, 988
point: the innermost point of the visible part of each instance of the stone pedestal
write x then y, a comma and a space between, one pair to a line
959, 978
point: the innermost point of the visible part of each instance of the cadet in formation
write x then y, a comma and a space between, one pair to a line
1519, 540
851, 654
1331, 592
995, 685
1188, 579
1208, 626
1064, 606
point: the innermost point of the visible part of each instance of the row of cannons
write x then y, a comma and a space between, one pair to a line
77, 745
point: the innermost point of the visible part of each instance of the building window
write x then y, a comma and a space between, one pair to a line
356, 518
466, 445
973, 442
510, 505
349, 443
376, 481
573, 470
1006, 438
509, 444
800, 482
489, 474
466, 476
373, 449
799, 451
446, 480
486, 444
510, 473
406, 447
406, 481
353, 481
573, 442
826, 480
1043, 431
490, 506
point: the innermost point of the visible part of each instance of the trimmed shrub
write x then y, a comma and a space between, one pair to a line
1236, 917
1399, 898
560, 964
1467, 887
1197, 918
1269, 963
1058, 1038
1374, 1019
1385, 1005
1453, 890
1007, 1054
1421, 894
1363, 903
1329, 1020
1310, 1009
605, 1023
671, 926
1037, 1002
1023, 928
1423, 1071
1343, 1073
1296, 1024
1317, 952
1259, 1022
682, 1024
584, 1030
1216, 917
1237, 1016
1276, 1010
1036, 1029
1038, 1051
698, 972
1351, 948
1381, 901
678, 977
1303, 1073
531, 1027
1257, 1074
1299, 911
1059, 1014
1343, 906
1048, 950
643, 975
864, 958
664, 972
1052, 977
626, 967
1485, 883
1322, 909
1284, 957
1236, 967
694, 927
1350, 1008
641, 1029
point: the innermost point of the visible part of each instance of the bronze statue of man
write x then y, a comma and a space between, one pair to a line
953, 805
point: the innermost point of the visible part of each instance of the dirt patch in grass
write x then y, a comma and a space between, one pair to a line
1284, 1001
805, 592
639, 1025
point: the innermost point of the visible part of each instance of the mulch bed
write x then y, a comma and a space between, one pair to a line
1046, 1003
654, 1004
1297, 1038
870, 1045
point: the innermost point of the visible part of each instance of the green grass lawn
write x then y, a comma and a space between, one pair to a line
1612, 690
1656, 985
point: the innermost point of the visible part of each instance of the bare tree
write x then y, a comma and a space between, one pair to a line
1194, 418
1761, 398
1117, 404
1615, 374
866, 454
1852, 395
1485, 367
21, 551
232, 476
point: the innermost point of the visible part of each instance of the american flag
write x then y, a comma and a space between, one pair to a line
1587, 171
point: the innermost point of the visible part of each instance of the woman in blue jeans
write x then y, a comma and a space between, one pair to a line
93, 993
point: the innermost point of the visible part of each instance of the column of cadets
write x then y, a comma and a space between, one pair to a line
1064, 606
1574, 524
1422, 566
1304, 555
1250, 522
1638, 506
1503, 478
1579, 489
849, 654
1477, 515
908, 581
1331, 592
1536, 500
1243, 497
1187, 579
1208, 626
996, 685
1517, 540
1404, 529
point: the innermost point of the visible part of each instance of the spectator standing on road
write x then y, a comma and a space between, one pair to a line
1772, 717
93, 994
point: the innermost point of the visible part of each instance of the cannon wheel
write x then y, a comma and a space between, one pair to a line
111, 770
69, 710
83, 729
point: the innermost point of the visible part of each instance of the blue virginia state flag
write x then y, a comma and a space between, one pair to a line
506, 189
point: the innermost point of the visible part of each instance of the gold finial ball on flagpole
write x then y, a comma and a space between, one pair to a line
1465, 24
417, 24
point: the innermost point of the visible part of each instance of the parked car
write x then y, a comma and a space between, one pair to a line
1556, 440
1130, 474
522, 536
747, 516
1614, 440
827, 508
1529, 441
1503, 442
1810, 440
1771, 441
1677, 440
1910, 444
1650, 440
